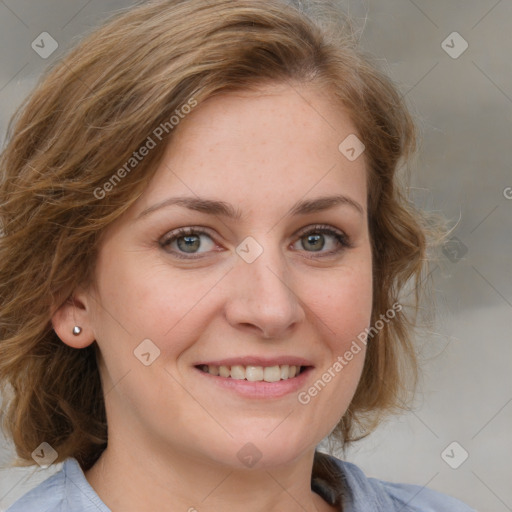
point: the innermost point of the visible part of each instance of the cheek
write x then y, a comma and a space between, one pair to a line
342, 311
342, 300
350, 307
341, 307
142, 299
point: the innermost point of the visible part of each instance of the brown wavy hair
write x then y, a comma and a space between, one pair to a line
96, 106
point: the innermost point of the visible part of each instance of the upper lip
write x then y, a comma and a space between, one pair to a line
258, 361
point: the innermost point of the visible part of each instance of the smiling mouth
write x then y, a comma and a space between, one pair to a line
254, 373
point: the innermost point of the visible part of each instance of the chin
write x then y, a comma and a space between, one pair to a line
257, 450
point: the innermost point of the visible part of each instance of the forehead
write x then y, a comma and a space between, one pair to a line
257, 148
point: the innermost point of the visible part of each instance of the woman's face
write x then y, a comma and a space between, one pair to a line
258, 292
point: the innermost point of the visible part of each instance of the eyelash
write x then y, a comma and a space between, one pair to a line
342, 239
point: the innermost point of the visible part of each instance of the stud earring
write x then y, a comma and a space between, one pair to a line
77, 330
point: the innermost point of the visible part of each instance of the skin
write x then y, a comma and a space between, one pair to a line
172, 434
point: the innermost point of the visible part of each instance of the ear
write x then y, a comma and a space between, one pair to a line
74, 312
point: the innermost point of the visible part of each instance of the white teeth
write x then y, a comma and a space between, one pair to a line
238, 372
254, 373
271, 374
224, 371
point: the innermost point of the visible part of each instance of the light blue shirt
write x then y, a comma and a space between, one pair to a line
69, 491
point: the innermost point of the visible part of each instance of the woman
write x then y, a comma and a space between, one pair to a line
201, 216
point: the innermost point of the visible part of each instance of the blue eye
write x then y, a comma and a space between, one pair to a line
188, 240
186, 243
315, 239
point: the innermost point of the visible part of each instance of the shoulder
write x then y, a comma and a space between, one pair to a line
416, 498
371, 494
45, 497
65, 491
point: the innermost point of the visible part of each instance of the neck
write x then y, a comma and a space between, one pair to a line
180, 482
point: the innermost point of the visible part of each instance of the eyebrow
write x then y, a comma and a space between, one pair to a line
213, 207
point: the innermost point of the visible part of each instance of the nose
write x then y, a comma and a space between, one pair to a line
262, 298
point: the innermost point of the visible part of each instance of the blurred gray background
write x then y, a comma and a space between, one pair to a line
461, 98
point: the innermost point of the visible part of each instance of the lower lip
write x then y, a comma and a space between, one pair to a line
259, 389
